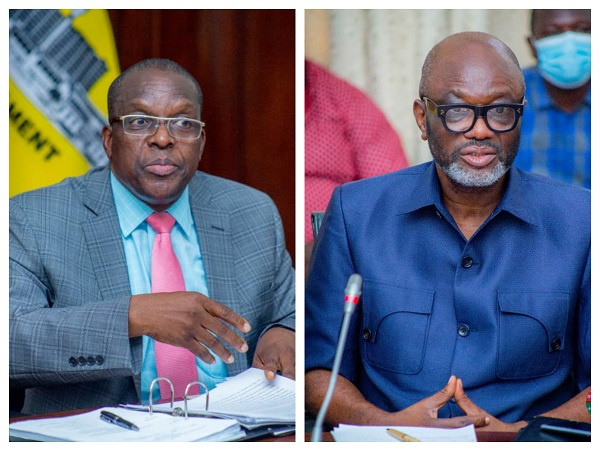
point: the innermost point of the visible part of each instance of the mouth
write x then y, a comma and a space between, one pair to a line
161, 168
478, 157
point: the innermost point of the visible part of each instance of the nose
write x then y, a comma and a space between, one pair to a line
162, 137
480, 130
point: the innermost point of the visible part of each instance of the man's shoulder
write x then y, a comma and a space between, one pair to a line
68, 189
544, 187
550, 198
406, 179
224, 192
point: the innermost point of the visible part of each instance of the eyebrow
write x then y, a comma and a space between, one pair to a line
185, 107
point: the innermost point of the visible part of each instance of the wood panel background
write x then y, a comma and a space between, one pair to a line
244, 61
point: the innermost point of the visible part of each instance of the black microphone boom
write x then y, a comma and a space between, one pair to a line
353, 292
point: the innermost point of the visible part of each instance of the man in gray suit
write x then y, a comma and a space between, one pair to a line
83, 320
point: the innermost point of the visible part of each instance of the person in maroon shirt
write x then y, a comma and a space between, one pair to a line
347, 138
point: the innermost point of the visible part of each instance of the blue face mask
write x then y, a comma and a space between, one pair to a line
565, 60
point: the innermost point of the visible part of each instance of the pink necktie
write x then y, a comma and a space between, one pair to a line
177, 364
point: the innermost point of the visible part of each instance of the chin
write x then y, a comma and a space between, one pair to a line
475, 178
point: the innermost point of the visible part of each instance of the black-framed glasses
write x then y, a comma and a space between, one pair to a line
460, 118
144, 125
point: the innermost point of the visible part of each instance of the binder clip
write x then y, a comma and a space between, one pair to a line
154, 381
177, 412
185, 395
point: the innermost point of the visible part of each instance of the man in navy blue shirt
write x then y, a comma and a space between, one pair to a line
476, 295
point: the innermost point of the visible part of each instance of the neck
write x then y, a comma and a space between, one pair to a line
567, 99
470, 206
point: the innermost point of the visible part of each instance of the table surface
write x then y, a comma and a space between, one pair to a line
482, 436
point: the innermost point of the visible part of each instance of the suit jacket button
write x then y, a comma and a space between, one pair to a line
556, 343
99, 359
91, 361
367, 334
82, 361
73, 361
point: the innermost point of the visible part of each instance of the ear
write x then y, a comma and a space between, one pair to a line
202, 143
531, 42
419, 113
107, 140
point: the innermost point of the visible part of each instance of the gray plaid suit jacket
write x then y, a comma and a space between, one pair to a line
69, 286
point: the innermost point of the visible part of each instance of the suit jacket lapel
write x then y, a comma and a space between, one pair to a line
105, 246
103, 237
214, 233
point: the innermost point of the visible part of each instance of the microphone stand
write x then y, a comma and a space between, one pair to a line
352, 295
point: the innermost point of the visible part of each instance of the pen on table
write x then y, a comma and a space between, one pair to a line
111, 418
401, 436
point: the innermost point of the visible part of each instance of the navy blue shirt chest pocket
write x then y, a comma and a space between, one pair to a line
395, 326
532, 328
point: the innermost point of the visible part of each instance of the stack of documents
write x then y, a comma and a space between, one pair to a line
88, 427
242, 407
350, 433
248, 398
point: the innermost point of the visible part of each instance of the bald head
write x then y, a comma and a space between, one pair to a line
161, 64
459, 47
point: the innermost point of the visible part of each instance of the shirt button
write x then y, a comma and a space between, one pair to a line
72, 361
556, 344
463, 330
467, 262
367, 334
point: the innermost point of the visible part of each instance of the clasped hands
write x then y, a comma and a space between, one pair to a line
424, 412
199, 323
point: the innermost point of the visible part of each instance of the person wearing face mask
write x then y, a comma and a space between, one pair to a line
556, 127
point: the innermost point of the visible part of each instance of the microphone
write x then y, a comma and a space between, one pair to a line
352, 292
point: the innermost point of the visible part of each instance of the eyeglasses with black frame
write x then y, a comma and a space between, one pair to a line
461, 118
144, 125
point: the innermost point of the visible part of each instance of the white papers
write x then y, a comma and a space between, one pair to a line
351, 433
250, 398
156, 427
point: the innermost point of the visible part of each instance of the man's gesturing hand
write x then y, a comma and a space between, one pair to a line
276, 351
189, 320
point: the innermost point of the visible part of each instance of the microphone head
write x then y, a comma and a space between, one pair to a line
353, 288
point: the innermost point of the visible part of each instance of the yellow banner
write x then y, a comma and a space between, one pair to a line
61, 65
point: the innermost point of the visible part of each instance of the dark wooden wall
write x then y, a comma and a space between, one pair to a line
244, 61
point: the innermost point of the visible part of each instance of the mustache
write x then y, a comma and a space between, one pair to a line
478, 143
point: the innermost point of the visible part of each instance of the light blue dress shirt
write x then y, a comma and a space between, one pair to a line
138, 238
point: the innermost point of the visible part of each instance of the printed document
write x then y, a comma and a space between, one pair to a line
249, 398
351, 433
156, 427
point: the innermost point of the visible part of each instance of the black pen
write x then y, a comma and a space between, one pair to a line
111, 418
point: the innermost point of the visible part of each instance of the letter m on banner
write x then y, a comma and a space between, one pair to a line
61, 65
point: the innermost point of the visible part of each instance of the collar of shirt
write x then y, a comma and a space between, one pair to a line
537, 95
427, 192
132, 211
